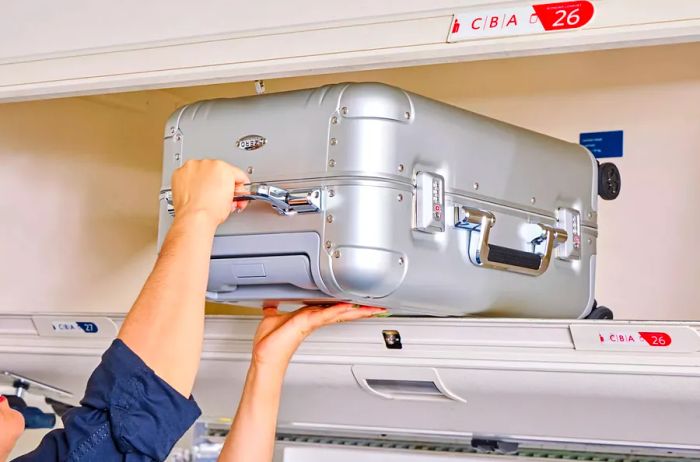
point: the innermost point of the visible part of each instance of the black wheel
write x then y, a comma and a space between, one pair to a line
609, 181
600, 312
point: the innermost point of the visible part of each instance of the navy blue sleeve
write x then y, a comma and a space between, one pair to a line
128, 414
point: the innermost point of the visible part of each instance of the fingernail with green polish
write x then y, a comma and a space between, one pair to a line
385, 314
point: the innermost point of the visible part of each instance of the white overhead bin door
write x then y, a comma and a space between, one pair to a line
536, 382
78, 47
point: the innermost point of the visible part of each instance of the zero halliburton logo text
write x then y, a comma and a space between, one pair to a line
251, 142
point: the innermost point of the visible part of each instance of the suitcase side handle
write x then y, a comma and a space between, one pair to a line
504, 258
285, 202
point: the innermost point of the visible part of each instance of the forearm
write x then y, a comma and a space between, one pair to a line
166, 324
252, 435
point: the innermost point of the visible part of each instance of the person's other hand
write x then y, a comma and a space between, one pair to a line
11, 427
208, 187
280, 334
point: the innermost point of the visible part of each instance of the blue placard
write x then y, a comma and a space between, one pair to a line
603, 144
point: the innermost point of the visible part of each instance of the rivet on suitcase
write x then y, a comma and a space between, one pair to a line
368, 193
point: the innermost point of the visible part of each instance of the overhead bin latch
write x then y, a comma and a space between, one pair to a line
490, 445
392, 339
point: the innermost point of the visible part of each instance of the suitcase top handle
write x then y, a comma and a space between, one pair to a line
283, 201
504, 258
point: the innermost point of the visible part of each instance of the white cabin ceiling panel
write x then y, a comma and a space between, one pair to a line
77, 47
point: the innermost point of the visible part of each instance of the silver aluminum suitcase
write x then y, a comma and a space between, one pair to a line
368, 193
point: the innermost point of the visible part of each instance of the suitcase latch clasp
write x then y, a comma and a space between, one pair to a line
285, 202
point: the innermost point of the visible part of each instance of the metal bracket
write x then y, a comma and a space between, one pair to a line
167, 196
22, 384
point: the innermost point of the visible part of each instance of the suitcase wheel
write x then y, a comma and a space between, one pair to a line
600, 312
609, 181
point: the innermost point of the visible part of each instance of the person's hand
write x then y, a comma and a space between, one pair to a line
207, 187
280, 334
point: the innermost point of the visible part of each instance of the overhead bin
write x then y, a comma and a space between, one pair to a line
82, 49
81, 176
551, 383
78, 170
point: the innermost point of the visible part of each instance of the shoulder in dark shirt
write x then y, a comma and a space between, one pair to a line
127, 411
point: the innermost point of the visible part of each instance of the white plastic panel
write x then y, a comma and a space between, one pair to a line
72, 26
76, 47
79, 198
520, 379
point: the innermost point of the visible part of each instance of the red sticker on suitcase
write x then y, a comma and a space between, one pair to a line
656, 339
564, 15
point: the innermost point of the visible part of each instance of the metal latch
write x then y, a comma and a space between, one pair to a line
285, 202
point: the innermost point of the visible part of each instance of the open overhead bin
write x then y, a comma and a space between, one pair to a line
79, 190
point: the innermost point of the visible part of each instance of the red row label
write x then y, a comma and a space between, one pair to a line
629, 337
520, 20
656, 339
653, 339
564, 15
